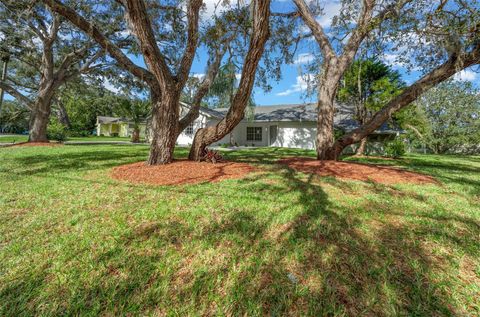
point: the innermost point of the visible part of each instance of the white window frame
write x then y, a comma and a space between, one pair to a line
190, 129
255, 134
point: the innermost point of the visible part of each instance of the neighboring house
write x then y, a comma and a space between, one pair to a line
122, 127
291, 126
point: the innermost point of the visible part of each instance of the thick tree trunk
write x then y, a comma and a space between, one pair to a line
325, 117
206, 136
165, 115
39, 120
361, 147
136, 135
326, 108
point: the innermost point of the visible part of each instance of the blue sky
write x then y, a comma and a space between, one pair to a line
292, 87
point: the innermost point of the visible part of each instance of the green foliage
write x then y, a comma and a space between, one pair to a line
369, 84
84, 102
338, 133
136, 110
56, 131
450, 114
395, 148
13, 118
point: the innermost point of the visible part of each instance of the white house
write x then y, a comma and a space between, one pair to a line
292, 126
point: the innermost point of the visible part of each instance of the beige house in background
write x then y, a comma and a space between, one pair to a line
117, 127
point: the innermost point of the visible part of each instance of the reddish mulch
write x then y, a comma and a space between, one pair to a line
180, 172
357, 171
36, 144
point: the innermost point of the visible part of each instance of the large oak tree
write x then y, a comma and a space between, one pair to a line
45, 53
438, 37
167, 71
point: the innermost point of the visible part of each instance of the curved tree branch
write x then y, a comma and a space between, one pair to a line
202, 90
91, 30
15, 93
454, 64
317, 30
192, 41
140, 23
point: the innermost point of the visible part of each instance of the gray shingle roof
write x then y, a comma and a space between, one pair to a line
103, 119
344, 115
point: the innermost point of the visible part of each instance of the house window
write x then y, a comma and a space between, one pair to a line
189, 129
254, 133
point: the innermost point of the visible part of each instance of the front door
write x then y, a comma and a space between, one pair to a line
273, 134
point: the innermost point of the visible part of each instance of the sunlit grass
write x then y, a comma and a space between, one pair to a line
75, 242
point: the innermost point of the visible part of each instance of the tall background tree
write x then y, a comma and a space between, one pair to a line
45, 53
368, 85
450, 115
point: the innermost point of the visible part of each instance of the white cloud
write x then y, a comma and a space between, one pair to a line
330, 10
304, 58
107, 84
199, 76
216, 7
465, 75
302, 84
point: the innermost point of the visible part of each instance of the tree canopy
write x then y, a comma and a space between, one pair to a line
450, 117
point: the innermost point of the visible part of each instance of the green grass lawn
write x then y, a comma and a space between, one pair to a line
24, 138
75, 242
14, 138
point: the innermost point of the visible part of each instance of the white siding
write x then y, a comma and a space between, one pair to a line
185, 139
296, 135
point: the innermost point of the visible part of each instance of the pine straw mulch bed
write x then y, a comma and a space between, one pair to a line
357, 171
180, 172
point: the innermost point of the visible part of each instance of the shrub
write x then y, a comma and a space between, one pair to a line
395, 148
56, 131
211, 156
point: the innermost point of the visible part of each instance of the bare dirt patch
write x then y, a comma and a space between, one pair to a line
357, 171
180, 172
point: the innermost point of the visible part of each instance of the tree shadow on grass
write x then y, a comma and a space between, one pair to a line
339, 268
323, 263
67, 160
319, 260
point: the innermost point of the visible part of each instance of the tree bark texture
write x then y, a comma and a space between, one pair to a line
165, 114
41, 112
361, 147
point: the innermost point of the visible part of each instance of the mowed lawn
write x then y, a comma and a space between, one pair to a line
18, 138
73, 241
